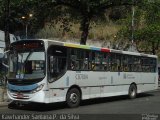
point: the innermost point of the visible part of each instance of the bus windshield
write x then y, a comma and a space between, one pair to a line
27, 64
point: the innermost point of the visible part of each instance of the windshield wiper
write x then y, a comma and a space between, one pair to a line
22, 65
25, 62
28, 56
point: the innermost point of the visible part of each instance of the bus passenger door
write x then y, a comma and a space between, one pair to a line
57, 63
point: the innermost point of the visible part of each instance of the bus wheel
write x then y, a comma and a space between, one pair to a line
12, 105
73, 98
15, 104
132, 91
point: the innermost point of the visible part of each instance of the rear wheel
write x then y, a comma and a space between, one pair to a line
73, 98
132, 91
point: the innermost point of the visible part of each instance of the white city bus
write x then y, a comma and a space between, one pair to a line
48, 71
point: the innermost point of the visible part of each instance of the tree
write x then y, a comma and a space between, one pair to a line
150, 34
82, 11
147, 26
7, 38
18, 8
90, 9
5, 9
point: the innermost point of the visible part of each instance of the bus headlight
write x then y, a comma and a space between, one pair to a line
38, 88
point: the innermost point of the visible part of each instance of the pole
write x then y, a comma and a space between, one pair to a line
133, 13
26, 30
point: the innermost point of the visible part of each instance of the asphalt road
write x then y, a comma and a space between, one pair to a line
144, 104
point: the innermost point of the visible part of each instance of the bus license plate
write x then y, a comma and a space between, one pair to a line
19, 95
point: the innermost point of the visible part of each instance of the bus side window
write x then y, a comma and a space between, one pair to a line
114, 65
98, 61
87, 60
54, 68
57, 62
51, 64
125, 63
73, 63
76, 59
130, 63
93, 60
85, 64
105, 62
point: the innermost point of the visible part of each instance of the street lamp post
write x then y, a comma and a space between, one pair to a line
133, 13
133, 46
27, 18
26, 31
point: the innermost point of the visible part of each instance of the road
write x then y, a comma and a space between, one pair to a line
146, 103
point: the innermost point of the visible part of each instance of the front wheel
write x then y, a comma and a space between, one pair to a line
132, 91
73, 98
15, 104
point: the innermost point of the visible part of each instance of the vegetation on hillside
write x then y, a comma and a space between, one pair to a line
106, 20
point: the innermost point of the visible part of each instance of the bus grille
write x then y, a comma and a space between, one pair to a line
26, 91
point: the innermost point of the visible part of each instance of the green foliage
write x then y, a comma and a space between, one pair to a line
149, 33
146, 28
79, 11
84, 12
91, 10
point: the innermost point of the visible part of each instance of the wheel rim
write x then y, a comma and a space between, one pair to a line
133, 92
73, 97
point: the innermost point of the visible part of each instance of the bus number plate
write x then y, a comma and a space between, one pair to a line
19, 95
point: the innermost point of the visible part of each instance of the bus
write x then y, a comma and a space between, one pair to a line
48, 71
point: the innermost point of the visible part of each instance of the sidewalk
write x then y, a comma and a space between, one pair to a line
4, 101
4, 104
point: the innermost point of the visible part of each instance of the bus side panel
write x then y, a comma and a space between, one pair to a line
113, 84
117, 83
100, 84
94, 84
148, 82
89, 83
58, 89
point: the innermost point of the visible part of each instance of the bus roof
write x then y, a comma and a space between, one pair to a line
73, 45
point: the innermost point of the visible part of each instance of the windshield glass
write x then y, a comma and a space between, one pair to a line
26, 65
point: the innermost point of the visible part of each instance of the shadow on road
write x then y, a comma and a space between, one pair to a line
113, 99
56, 106
38, 106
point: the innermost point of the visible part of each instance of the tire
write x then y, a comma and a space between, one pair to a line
12, 105
15, 105
73, 98
132, 91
